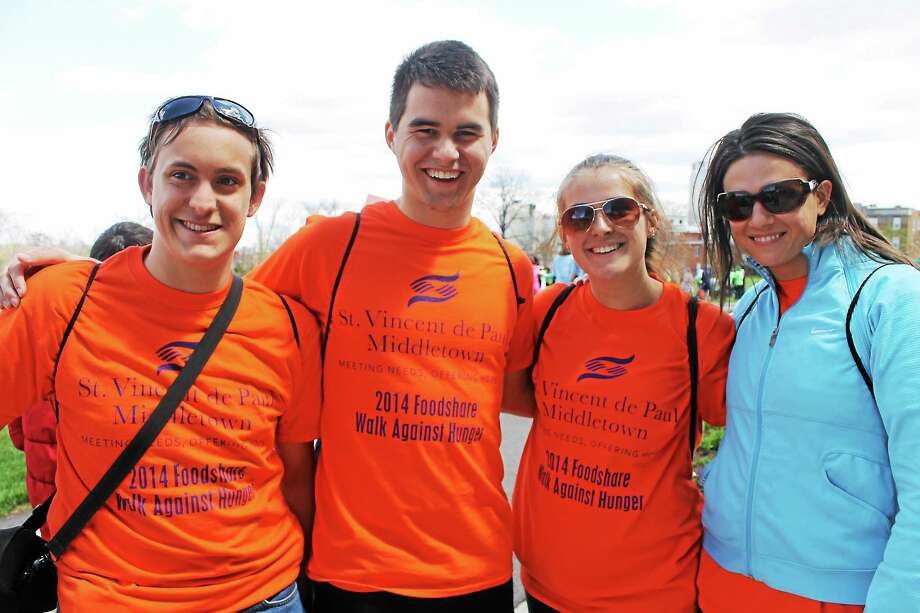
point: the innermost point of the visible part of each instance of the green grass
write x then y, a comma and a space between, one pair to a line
12, 475
709, 444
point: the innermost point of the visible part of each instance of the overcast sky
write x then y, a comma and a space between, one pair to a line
657, 81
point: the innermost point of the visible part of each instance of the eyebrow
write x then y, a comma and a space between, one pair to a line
422, 121
221, 170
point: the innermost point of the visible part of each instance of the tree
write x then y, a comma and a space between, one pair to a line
510, 205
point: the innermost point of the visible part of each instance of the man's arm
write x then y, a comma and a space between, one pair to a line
297, 486
517, 394
23, 265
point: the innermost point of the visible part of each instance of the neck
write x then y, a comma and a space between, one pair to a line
199, 280
625, 294
450, 218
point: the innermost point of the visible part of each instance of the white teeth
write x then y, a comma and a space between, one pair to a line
444, 175
198, 228
765, 239
605, 249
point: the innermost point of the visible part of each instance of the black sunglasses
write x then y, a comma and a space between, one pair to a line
780, 197
189, 105
621, 211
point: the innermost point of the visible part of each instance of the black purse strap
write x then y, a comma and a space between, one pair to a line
693, 359
138, 446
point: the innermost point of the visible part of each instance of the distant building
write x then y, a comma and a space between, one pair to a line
686, 246
899, 224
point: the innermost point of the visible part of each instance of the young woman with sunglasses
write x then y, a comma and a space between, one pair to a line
213, 515
605, 507
813, 502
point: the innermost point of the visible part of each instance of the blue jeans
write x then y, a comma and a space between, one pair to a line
285, 601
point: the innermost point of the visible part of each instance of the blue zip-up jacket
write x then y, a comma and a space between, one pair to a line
816, 486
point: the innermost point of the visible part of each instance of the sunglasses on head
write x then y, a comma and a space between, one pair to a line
620, 211
779, 197
189, 105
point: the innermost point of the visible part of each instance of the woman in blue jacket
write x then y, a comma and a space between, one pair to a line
813, 503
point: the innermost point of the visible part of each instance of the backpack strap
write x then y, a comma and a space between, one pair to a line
69, 329
501, 243
549, 317
335, 286
290, 313
693, 358
859, 363
748, 310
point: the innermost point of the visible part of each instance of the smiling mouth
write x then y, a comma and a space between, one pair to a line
766, 238
603, 249
445, 176
200, 228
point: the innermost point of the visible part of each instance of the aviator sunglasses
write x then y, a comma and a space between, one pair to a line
620, 211
780, 197
188, 105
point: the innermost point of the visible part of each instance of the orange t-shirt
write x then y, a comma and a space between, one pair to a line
607, 515
408, 488
722, 591
790, 291
201, 522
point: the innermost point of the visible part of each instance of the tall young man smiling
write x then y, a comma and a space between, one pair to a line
423, 324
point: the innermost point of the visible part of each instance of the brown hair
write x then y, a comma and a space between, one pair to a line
164, 132
449, 64
793, 138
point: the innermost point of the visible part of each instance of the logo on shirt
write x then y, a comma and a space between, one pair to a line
433, 288
605, 367
175, 355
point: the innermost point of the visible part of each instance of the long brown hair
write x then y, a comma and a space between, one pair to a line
791, 137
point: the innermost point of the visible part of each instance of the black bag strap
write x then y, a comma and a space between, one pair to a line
549, 317
69, 329
501, 243
290, 314
850, 343
750, 308
148, 432
335, 287
693, 358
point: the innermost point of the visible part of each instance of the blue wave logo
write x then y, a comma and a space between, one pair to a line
605, 367
175, 355
433, 288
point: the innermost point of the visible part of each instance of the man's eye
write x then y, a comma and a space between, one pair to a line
228, 181
468, 135
181, 175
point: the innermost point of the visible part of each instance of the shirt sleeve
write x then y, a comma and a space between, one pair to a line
300, 421
31, 334
520, 352
893, 318
715, 335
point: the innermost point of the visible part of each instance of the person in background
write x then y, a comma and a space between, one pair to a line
565, 268
813, 501
34, 432
606, 511
536, 273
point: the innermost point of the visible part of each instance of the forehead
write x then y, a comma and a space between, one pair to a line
203, 142
751, 172
445, 106
591, 185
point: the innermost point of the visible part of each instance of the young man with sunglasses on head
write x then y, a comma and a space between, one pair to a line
213, 515
427, 317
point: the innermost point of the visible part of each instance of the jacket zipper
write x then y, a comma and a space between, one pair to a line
755, 459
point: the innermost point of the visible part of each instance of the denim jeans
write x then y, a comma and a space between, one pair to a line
285, 601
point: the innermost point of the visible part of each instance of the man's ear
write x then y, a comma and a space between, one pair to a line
390, 135
255, 201
494, 139
145, 183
